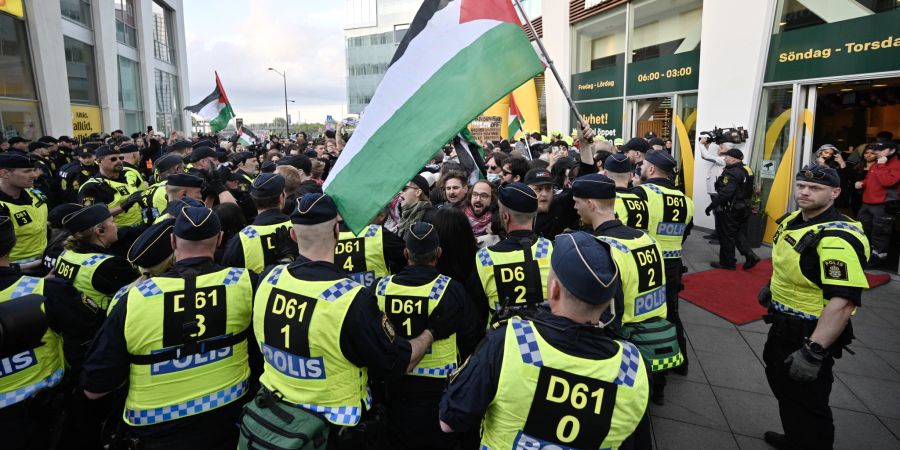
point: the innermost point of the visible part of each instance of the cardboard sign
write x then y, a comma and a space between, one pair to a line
486, 128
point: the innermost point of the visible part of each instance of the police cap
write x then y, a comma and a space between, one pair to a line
56, 215
662, 160
174, 207
203, 143
180, 145
153, 246
86, 217
65, 139
84, 151
816, 173
106, 150
538, 177
583, 265
267, 167
36, 145
184, 180
93, 145
201, 153
267, 185
240, 157
128, 148
168, 161
48, 139
637, 144
197, 223
313, 208
518, 197
618, 163
735, 153
594, 185
15, 160
16, 140
422, 238
657, 141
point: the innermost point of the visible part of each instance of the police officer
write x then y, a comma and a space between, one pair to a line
155, 199
73, 174
818, 256
333, 332
180, 340
734, 190
246, 168
639, 258
132, 156
86, 263
631, 210
152, 251
204, 162
58, 233
174, 208
111, 187
671, 219
26, 207
46, 181
370, 254
513, 272
555, 379
408, 298
267, 240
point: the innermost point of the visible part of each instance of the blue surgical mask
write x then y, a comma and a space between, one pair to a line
493, 178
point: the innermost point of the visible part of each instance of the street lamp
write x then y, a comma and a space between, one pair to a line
287, 130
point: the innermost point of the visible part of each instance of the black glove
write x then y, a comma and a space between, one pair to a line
764, 296
442, 324
710, 208
131, 200
804, 365
285, 247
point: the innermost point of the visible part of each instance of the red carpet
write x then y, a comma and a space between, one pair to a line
731, 295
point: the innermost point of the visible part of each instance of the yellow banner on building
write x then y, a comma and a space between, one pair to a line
85, 121
13, 7
527, 101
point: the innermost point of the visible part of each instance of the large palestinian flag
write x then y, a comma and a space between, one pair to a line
215, 108
443, 75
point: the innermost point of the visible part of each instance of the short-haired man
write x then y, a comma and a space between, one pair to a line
456, 188
111, 187
267, 240
27, 210
514, 170
481, 208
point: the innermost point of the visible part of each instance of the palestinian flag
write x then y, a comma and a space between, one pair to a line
447, 64
215, 108
246, 137
470, 155
515, 118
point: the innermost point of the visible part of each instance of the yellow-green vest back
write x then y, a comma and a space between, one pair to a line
26, 373
79, 268
122, 190
632, 210
792, 292
549, 398
30, 225
505, 275
643, 279
134, 178
298, 326
670, 213
362, 255
154, 201
156, 310
258, 244
408, 308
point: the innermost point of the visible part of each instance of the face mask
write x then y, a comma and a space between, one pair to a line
493, 178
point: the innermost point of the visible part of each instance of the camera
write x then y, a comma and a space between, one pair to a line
721, 135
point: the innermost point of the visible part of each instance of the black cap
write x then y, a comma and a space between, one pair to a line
649, 135
203, 143
662, 160
168, 161
815, 173
65, 139
196, 223
93, 145
184, 180
518, 197
313, 208
240, 157
201, 153
180, 145
48, 139
106, 150
16, 140
86, 217
618, 163
267, 185
15, 160
735, 153
128, 148
594, 185
637, 144
299, 162
422, 238
56, 215
174, 207
84, 151
657, 141
538, 177
153, 246
36, 145
583, 265
420, 183
267, 167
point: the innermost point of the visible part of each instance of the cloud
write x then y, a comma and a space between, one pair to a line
241, 40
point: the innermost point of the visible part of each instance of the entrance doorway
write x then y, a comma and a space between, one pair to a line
652, 115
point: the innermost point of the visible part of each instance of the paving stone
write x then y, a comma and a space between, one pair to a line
748, 413
742, 372
756, 342
842, 397
866, 362
757, 327
751, 443
695, 369
855, 430
882, 397
674, 435
718, 340
695, 315
690, 402
882, 338
893, 425
892, 358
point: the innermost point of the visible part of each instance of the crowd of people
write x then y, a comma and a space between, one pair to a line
199, 293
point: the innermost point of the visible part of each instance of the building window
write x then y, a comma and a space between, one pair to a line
18, 103
168, 104
131, 115
663, 28
163, 42
78, 11
600, 43
81, 71
126, 33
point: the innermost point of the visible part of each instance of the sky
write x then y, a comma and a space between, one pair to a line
241, 39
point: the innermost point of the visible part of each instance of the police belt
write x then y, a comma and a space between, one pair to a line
191, 348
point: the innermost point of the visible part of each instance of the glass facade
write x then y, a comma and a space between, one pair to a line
81, 72
794, 14
78, 11
168, 103
19, 114
131, 115
126, 32
163, 42
600, 43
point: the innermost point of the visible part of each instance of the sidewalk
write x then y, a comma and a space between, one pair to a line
725, 402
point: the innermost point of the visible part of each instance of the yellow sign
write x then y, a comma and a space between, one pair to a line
13, 7
85, 120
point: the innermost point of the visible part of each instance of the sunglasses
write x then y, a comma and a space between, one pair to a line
506, 172
492, 167
116, 158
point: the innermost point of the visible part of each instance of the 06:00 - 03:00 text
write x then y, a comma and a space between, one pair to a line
671, 73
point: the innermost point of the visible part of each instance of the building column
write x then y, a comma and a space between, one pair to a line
106, 52
143, 17
558, 42
182, 66
729, 87
48, 58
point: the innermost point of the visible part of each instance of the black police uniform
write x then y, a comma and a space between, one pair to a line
233, 255
513, 242
72, 176
411, 400
734, 189
561, 214
242, 193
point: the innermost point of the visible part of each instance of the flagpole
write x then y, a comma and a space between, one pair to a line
549, 62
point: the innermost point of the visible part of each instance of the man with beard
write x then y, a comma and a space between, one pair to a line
111, 187
131, 155
481, 208
75, 173
455, 189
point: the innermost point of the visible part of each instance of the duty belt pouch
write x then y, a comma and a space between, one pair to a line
269, 423
655, 338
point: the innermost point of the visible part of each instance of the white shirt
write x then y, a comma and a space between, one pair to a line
711, 154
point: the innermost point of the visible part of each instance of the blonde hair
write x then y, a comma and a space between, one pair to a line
75, 240
292, 178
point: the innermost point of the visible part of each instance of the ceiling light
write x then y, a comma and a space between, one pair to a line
881, 85
846, 90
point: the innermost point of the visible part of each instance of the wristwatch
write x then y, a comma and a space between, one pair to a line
814, 346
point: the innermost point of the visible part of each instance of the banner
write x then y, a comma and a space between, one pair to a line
670, 73
600, 83
13, 7
486, 128
85, 121
604, 117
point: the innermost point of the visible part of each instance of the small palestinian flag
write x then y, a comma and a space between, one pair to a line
215, 108
246, 137
515, 118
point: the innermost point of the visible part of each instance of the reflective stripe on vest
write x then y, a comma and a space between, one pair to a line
188, 408
641, 270
670, 213
506, 275
121, 191
79, 268
257, 243
23, 393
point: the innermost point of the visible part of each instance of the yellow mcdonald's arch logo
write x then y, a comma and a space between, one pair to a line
779, 195
13, 7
